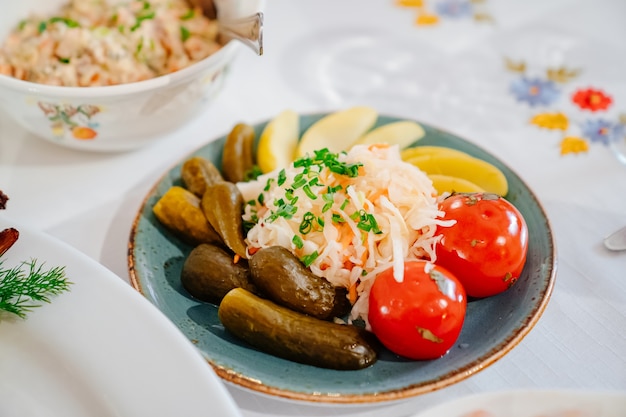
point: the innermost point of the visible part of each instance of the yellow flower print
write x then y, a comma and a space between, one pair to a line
410, 3
555, 121
573, 144
426, 19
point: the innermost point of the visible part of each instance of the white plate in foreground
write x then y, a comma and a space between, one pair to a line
100, 349
534, 403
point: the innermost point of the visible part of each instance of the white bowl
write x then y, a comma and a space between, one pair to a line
120, 117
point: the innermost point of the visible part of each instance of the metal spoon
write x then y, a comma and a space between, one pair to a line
616, 240
248, 30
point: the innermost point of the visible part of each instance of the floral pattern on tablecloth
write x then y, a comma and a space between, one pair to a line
591, 124
433, 12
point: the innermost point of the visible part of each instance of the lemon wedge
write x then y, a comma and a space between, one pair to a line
446, 183
401, 133
483, 174
337, 131
278, 141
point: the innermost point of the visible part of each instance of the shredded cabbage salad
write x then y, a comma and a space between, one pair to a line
97, 43
347, 216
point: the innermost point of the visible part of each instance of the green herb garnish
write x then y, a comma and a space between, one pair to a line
189, 15
140, 18
283, 209
307, 223
297, 240
367, 222
184, 33
307, 260
68, 22
251, 174
26, 286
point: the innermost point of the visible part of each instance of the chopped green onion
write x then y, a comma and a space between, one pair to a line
68, 22
307, 223
184, 33
325, 158
189, 15
337, 218
309, 259
42, 27
374, 224
307, 190
367, 222
140, 19
284, 210
297, 240
64, 60
334, 189
299, 183
282, 177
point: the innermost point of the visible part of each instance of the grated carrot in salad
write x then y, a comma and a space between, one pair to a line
347, 216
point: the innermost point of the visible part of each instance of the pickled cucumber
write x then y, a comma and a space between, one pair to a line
209, 272
179, 211
295, 336
197, 173
238, 155
222, 204
285, 280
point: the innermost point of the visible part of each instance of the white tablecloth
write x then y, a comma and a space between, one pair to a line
452, 73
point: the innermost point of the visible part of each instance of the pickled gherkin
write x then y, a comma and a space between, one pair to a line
238, 154
222, 204
295, 336
197, 173
285, 280
180, 212
209, 273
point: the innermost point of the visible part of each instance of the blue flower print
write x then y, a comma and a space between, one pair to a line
454, 8
535, 91
602, 131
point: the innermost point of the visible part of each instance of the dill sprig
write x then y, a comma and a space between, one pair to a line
28, 285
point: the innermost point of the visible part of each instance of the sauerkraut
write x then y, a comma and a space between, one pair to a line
347, 216
97, 43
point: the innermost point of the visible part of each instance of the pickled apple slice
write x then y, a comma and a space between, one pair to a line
483, 174
419, 151
448, 184
278, 141
337, 131
402, 133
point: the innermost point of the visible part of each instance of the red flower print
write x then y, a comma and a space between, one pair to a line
591, 99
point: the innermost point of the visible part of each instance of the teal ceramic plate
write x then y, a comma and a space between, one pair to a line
156, 259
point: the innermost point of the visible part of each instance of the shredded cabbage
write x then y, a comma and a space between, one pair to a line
347, 216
